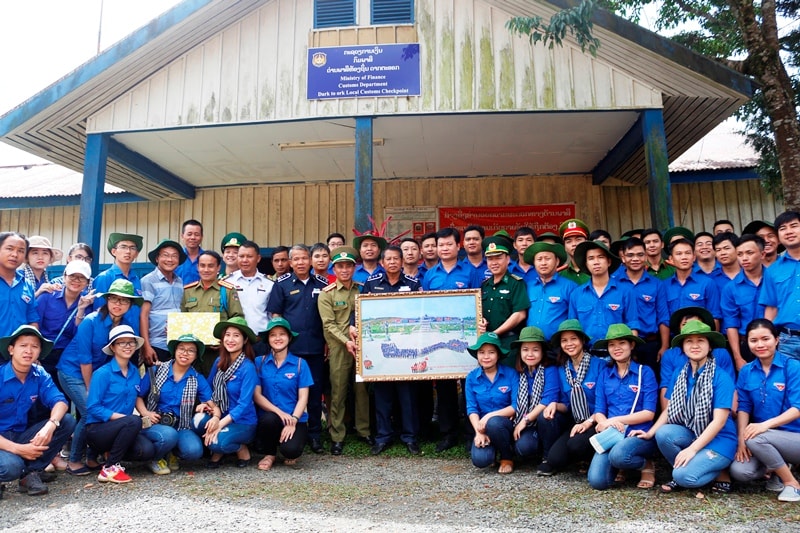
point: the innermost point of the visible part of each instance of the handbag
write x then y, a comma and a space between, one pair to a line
605, 440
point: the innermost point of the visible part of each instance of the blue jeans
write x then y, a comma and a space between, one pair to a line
500, 431
230, 438
790, 345
75, 389
166, 439
631, 453
702, 469
13, 466
541, 437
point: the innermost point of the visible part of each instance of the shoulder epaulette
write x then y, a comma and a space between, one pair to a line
329, 287
516, 277
562, 267
226, 284
191, 285
283, 277
410, 278
375, 277
225, 278
357, 284
323, 279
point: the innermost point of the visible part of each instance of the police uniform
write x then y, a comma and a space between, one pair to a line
336, 304
253, 293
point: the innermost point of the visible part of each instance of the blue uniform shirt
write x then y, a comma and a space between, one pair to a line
615, 395
187, 270
53, 314
459, 277
766, 397
552, 386
482, 271
698, 291
673, 359
164, 298
86, 347
590, 381
361, 274
651, 301
240, 392
281, 386
17, 304
617, 305
103, 282
110, 392
17, 398
724, 442
549, 302
484, 396
780, 288
297, 302
739, 303
171, 395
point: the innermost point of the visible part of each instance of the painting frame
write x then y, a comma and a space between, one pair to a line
425, 338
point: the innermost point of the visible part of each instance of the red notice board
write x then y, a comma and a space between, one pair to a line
542, 218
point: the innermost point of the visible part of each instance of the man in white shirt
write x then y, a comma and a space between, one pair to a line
253, 288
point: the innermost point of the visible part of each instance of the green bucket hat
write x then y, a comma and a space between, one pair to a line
695, 327
617, 332
124, 288
583, 248
616, 246
571, 324
686, 233
489, 337
278, 322
701, 312
382, 244
550, 236
187, 337
25, 330
166, 243
344, 253
116, 238
529, 334
539, 246
238, 323
504, 235
232, 239
495, 246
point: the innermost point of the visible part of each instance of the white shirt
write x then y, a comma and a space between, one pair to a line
253, 294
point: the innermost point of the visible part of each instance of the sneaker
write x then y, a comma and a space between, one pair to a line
544, 469
789, 494
32, 484
159, 467
774, 483
113, 474
172, 462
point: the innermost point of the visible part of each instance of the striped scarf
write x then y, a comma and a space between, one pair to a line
696, 410
526, 402
577, 396
220, 395
157, 379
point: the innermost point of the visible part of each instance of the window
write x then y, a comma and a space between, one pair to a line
392, 11
331, 13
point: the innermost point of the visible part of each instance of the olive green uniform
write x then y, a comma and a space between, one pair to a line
499, 301
578, 277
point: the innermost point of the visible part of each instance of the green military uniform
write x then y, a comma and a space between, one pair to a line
336, 304
196, 299
500, 301
664, 270
579, 277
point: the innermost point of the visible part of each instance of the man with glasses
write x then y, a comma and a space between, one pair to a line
162, 290
124, 248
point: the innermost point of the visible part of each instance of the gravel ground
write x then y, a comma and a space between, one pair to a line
386, 494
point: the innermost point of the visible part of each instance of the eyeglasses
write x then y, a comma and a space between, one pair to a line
77, 277
119, 300
186, 351
169, 256
84, 258
634, 256
125, 344
126, 248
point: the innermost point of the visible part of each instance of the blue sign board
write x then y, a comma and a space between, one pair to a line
363, 71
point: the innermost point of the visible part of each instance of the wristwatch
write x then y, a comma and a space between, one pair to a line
56, 423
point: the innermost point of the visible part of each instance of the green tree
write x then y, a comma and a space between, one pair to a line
745, 35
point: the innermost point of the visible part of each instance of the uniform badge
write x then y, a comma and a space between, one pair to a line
780, 386
289, 375
554, 299
572, 225
646, 297
503, 389
34, 398
460, 284
492, 247
694, 296
634, 388
589, 384
613, 307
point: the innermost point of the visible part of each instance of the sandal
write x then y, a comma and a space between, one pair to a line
721, 487
670, 487
620, 477
506, 466
648, 478
290, 462
266, 463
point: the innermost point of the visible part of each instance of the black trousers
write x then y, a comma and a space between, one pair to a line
121, 439
269, 430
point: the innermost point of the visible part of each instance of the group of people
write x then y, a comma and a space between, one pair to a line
589, 350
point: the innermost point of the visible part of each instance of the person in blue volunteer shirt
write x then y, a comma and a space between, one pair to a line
111, 426
537, 423
603, 300
695, 433
192, 237
687, 288
17, 300
673, 360
578, 373
768, 416
26, 450
233, 377
169, 396
85, 354
124, 248
781, 285
491, 394
626, 402
281, 396
548, 291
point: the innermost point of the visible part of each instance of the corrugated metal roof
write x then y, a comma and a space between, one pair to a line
723, 148
41, 180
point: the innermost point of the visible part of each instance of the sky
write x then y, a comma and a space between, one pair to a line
42, 40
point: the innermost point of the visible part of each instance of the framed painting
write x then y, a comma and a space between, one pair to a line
416, 335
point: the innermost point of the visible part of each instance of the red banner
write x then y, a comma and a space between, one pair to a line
542, 218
